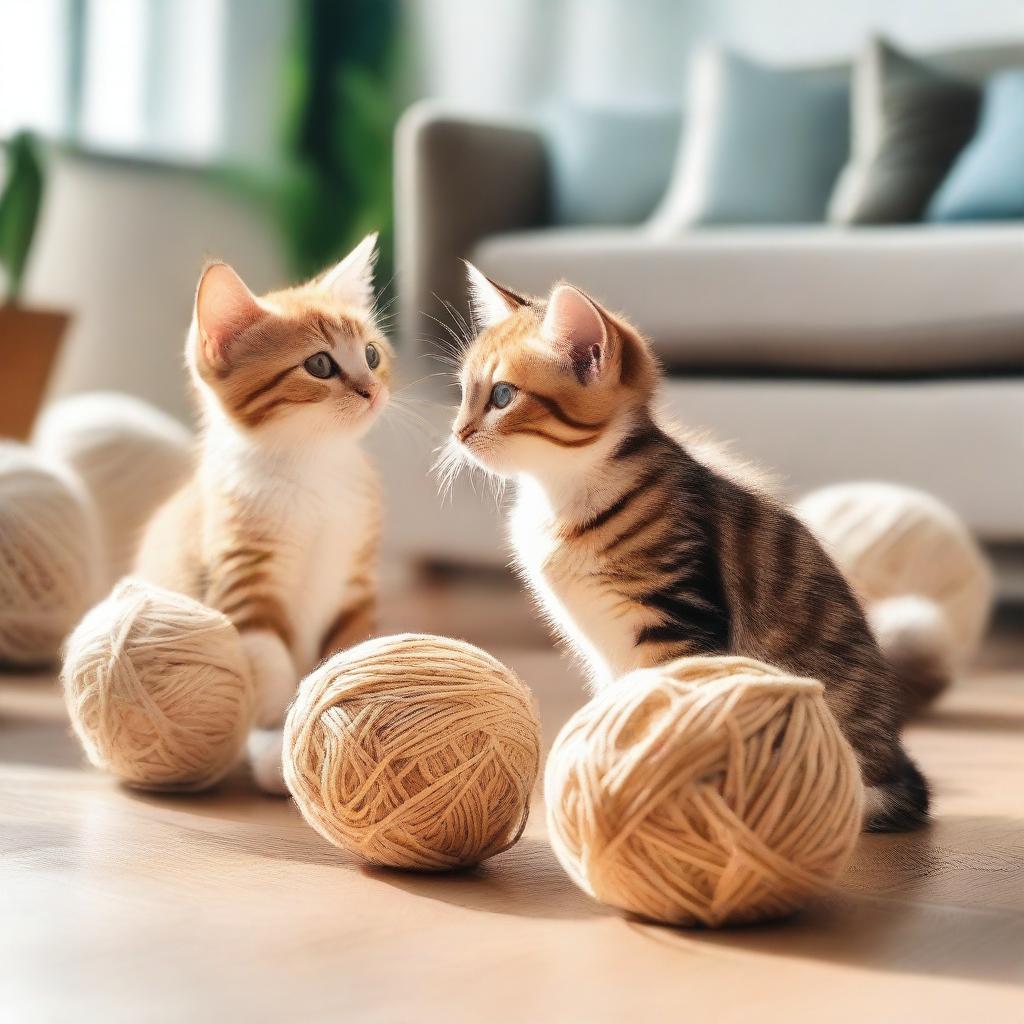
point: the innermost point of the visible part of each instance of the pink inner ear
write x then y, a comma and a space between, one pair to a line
224, 308
573, 322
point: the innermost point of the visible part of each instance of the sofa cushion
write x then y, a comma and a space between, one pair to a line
826, 300
987, 180
763, 145
809, 432
910, 120
609, 166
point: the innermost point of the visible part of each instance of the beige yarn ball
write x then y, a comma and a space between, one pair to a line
710, 791
158, 689
414, 751
893, 541
49, 556
131, 456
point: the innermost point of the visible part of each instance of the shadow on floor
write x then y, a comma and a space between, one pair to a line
946, 901
237, 816
526, 881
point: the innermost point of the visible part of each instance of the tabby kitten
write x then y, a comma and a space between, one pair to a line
640, 548
278, 526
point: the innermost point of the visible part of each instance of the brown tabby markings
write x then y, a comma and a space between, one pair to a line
689, 556
357, 619
233, 536
582, 442
353, 625
270, 376
551, 406
240, 584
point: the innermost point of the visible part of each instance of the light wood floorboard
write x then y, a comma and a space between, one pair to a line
119, 906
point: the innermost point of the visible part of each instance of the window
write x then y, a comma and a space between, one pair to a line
140, 77
33, 65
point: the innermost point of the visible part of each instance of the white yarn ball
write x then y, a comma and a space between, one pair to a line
50, 569
892, 542
131, 456
158, 688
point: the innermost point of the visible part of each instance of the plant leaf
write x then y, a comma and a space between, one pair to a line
19, 208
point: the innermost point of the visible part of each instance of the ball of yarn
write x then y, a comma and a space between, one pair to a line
710, 791
892, 541
49, 555
130, 455
413, 751
158, 688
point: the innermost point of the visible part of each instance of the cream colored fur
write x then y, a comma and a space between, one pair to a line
297, 485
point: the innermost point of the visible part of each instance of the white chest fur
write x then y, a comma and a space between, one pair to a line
315, 509
582, 607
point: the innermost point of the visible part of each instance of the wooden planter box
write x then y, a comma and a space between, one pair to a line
29, 342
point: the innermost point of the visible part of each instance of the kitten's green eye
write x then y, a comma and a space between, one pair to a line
501, 395
372, 357
321, 366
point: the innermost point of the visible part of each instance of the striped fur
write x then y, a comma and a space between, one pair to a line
278, 527
641, 548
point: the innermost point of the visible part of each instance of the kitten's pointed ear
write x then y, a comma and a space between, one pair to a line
224, 308
489, 301
351, 281
575, 325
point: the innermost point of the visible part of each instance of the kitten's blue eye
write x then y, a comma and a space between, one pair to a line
372, 357
501, 395
321, 366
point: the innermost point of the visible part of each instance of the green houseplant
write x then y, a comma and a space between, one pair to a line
330, 182
29, 338
342, 89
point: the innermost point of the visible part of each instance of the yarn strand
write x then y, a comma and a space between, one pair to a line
414, 751
710, 791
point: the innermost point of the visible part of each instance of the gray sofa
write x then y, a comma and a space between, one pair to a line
892, 353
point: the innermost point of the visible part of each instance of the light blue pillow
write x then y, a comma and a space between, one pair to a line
987, 180
763, 145
609, 166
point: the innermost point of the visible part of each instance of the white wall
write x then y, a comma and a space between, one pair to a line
802, 30
615, 53
494, 55
511, 54
120, 248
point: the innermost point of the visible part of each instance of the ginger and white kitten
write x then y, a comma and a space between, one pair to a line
278, 527
641, 548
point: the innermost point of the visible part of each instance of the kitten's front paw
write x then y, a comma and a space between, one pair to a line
274, 674
265, 746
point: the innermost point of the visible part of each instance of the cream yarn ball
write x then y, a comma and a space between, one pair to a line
710, 791
893, 542
414, 751
49, 555
158, 688
130, 455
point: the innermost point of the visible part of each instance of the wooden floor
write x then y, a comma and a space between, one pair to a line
118, 906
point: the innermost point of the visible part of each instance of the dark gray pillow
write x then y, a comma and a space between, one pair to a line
910, 121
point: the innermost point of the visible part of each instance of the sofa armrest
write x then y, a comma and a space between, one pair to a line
457, 180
